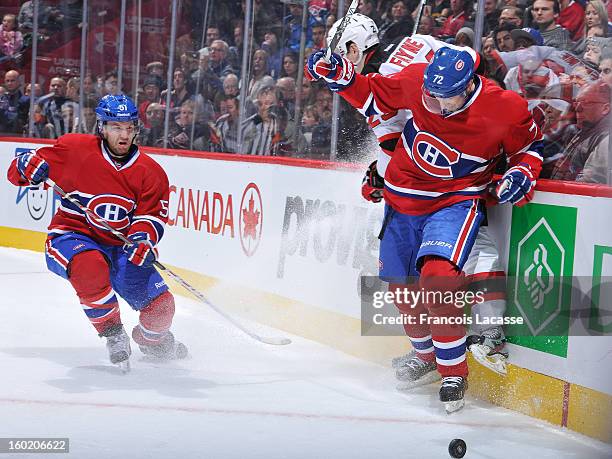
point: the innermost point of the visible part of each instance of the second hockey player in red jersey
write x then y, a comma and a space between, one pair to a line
126, 188
436, 180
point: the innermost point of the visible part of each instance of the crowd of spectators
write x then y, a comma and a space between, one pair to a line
556, 54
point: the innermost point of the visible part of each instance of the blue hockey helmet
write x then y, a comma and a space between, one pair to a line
116, 108
449, 73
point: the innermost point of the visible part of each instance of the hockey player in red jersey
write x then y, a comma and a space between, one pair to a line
360, 45
436, 182
108, 174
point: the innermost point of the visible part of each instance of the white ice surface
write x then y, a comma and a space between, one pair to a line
234, 398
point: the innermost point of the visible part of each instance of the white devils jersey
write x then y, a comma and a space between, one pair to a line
387, 60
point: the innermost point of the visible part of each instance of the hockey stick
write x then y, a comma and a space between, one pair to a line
161, 267
419, 15
338, 35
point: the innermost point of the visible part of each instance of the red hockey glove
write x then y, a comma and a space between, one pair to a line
372, 185
141, 252
32, 168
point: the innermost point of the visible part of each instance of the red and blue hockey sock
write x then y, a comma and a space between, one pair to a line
418, 333
442, 279
155, 320
450, 355
424, 347
90, 278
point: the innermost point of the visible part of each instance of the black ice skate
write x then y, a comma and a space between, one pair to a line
452, 391
413, 372
118, 345
488, 349
168, 348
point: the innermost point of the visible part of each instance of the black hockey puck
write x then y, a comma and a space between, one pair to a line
457, 448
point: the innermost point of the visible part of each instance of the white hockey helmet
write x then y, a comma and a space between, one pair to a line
360, 30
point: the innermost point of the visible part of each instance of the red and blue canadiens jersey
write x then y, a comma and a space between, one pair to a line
131, 197
441, 160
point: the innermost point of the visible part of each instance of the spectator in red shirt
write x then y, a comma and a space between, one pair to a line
459, 13
319, 9
439, 11
572, 18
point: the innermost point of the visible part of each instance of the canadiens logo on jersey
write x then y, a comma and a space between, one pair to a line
114, 209
434, 156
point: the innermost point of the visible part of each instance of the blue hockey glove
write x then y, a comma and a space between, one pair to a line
516, 185
141, 252
339, 73
309, 71
32, 168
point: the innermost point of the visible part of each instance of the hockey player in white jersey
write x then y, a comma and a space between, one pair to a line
360, 44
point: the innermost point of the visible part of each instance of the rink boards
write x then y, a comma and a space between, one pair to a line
285, 242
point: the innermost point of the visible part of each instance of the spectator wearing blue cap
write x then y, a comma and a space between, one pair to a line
526, 37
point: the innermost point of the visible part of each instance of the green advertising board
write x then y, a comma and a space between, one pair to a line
600, 302
540, 267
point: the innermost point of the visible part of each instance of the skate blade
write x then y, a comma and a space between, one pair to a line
425, 380
124, 366
495, 362
455, 405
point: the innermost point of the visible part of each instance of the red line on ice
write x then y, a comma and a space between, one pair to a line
285, 414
